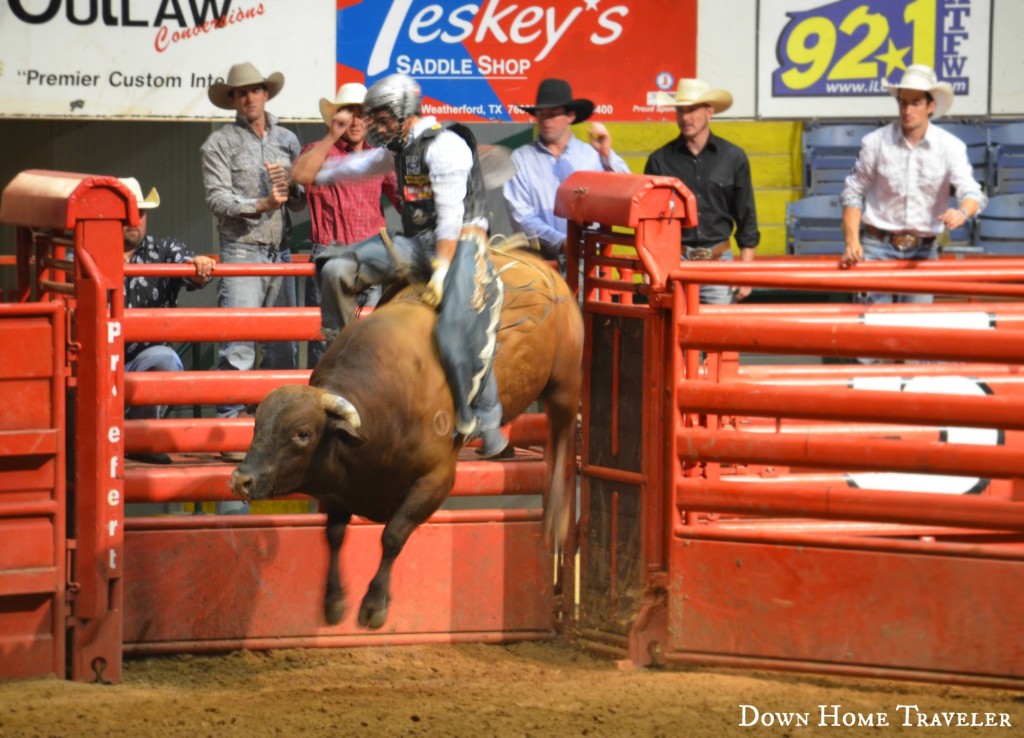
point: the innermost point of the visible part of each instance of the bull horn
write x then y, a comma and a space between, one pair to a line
340, 406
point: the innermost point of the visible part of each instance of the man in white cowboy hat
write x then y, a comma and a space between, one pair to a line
718, 173
245, 172
154, 292
544, 163
349, 210
896, 200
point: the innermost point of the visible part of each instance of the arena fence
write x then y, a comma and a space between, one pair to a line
749, 497
795, 508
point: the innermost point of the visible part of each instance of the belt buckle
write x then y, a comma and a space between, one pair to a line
904, 241
699, 253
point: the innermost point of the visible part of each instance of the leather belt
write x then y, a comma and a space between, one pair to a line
702, 253
900, 240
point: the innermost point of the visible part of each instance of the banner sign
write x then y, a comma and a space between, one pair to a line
157, 58
483, 60
829, 59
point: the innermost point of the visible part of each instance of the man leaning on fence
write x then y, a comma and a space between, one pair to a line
718, 173
896, 201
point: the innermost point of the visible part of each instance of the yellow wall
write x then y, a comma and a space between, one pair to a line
775, 163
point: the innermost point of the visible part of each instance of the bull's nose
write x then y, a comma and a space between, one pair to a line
241, 484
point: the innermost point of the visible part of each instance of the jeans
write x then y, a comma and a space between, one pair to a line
282, 354
249, 292
345, 271
715, 294
158, 358
367, 298
876, 249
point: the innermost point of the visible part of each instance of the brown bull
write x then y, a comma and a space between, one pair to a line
372, 434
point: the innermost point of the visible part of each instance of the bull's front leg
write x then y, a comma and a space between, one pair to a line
334, 599
426, 496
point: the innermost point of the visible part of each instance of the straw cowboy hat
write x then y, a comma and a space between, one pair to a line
922, 77
350, 93
696, 92
243, 75
150, 201
556, 93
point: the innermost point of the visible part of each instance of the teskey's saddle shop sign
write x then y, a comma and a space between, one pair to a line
482, 60
476, 61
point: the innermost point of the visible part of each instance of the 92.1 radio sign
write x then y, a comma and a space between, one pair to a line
846, 48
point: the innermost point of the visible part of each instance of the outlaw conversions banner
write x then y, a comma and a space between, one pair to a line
156, 58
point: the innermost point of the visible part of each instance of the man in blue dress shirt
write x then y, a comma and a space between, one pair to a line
544, 163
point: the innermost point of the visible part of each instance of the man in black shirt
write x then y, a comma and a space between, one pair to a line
718, 174
154, 292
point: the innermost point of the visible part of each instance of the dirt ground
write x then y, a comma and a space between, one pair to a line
529, 689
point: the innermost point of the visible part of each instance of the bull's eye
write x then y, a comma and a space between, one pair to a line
303, 437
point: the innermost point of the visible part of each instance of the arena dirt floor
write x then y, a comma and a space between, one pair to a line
530, 689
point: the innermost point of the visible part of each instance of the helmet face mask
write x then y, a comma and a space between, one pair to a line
389, 102
383, 129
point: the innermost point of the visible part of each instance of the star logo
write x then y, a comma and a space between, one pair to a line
591, 4
893, 58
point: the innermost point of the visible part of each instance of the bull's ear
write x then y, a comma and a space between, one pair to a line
343, 427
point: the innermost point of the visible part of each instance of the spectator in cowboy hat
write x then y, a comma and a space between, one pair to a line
346, 211
718, 174
154, 292
246, 175
544, 163
896, 200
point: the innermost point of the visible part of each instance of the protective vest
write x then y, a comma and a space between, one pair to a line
419, 212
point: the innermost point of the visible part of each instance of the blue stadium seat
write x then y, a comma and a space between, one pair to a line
976, 136
1006, 157
814, 225
830, 152
1000, 227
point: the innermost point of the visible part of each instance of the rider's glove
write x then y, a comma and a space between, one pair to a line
435, 287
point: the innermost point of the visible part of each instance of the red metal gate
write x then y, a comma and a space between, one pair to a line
773, 514
32, 492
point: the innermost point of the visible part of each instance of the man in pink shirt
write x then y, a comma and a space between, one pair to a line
347, 211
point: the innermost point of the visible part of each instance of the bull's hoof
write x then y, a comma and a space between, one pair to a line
334, 610
374, 612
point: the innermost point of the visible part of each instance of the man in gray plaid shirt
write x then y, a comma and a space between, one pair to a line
245, 172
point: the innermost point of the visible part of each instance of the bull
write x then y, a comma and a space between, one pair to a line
372, 433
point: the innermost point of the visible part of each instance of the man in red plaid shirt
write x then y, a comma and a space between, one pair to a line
342, 212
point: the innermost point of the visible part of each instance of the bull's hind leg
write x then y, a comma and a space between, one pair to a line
424, 498
334, 599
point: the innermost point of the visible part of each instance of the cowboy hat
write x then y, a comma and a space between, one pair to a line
696, 92
922, 77
350, 93
243, 75
556, 93
151, 200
